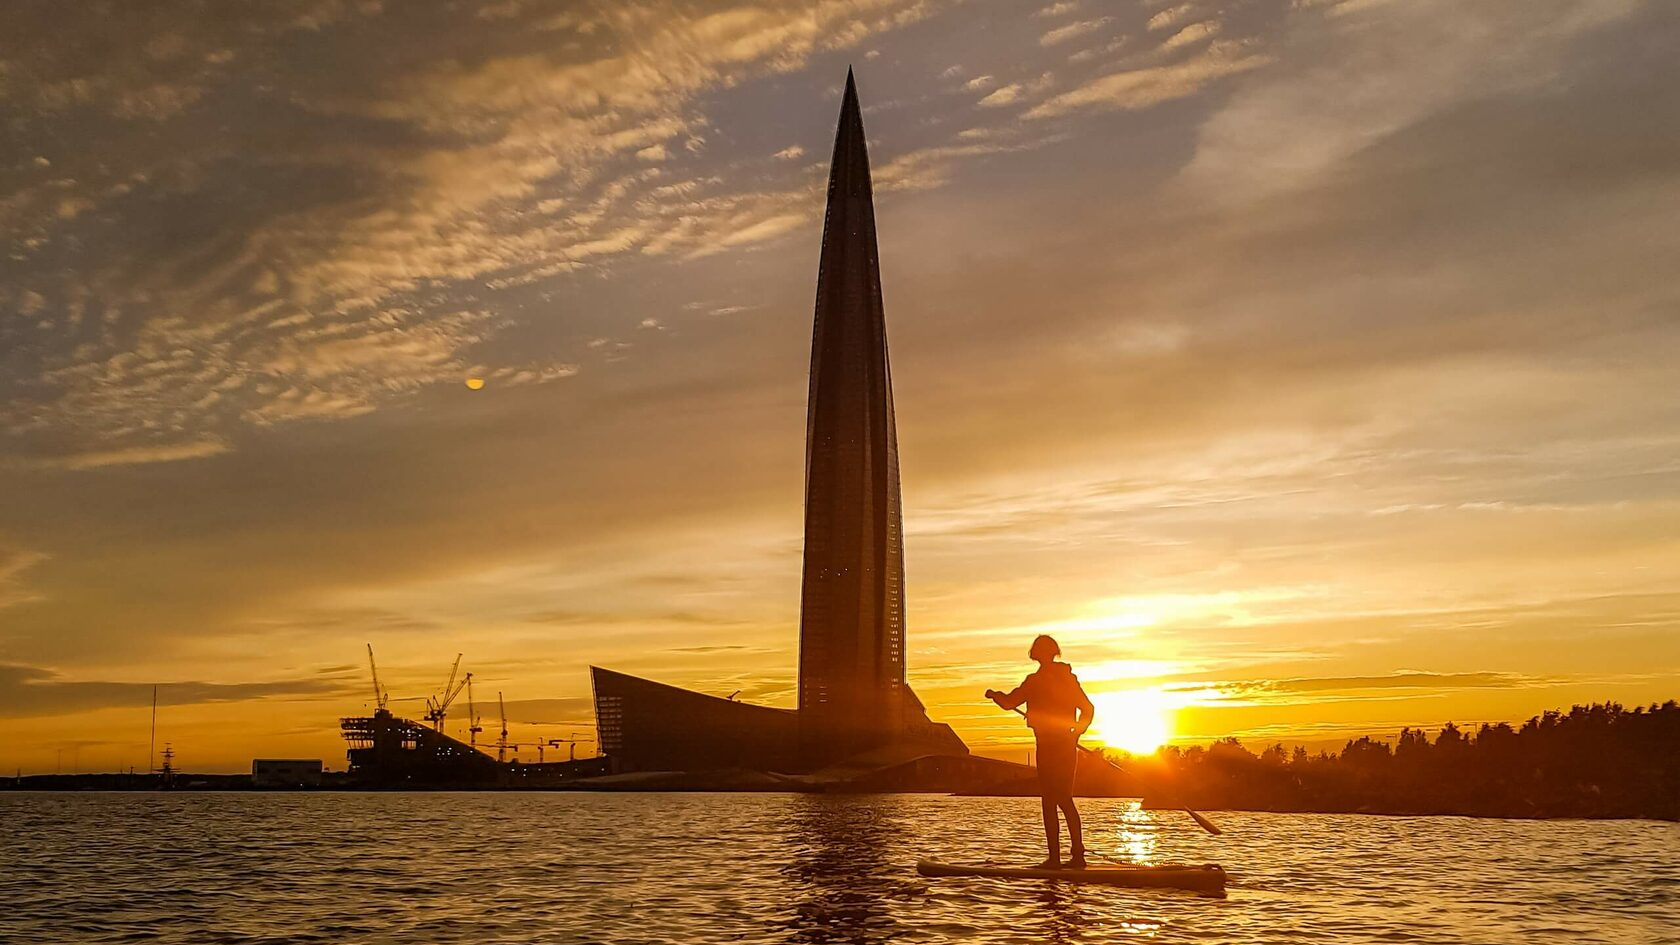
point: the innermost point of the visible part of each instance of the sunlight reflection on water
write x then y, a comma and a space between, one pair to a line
574, 868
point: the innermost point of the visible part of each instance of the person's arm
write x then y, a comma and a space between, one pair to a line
1087, 711
1010, 699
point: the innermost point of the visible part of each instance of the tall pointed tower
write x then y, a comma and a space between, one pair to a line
854, 703
852, 692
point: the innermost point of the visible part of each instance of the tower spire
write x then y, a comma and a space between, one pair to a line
851, 630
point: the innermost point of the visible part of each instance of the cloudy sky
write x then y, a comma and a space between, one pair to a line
1306, 366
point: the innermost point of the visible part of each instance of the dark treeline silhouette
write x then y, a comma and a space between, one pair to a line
1592, 761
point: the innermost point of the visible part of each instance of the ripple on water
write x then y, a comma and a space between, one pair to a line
575, 868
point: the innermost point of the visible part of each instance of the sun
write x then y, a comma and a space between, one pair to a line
1134, 720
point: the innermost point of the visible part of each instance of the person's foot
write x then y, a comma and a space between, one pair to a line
1051, 863
1075, 862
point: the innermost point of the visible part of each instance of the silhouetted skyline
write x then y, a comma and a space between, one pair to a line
1302, 367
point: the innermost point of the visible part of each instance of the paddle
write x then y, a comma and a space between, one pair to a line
1201, 821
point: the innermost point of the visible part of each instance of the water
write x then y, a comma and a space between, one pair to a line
233, 869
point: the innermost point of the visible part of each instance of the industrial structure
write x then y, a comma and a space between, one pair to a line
386, 750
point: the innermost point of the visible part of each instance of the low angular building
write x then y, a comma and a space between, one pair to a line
857, 715
648, 726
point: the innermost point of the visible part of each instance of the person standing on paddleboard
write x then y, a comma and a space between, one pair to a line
1058, 711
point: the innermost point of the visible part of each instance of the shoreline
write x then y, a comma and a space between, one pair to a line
239, 784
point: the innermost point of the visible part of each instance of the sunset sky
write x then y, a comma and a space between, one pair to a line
1308, 368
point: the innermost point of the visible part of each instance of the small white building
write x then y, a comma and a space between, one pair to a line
285, 772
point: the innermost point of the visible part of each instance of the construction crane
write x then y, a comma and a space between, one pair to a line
380, 697
473, 728
571, 753
502, 743
437, 707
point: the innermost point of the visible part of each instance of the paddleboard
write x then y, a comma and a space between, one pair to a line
1209, 879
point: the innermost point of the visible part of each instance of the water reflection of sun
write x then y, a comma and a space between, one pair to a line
1133, 836
1134, 720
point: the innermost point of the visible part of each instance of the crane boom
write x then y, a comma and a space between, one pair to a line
502, 745
450, 696
473, 728
437, 707
379, 697
453, 669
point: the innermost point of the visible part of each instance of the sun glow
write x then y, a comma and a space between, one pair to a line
1134, 720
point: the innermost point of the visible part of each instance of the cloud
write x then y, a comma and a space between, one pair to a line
1062, 34
30, 691
572, 711
258, 307
516, 376
1057, 9
13, 563
1134, 89
1294, 690
720, 648
792, 152
140, 455
1190, 35
931, 167
1007, 95
1288, 128
1171, 16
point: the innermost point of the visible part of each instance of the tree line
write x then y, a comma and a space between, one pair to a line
1600, 760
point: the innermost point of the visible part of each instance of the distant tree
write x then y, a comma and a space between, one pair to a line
1599, 760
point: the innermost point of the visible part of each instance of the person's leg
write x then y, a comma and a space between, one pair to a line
1076, 834
1047, 792
1052, 833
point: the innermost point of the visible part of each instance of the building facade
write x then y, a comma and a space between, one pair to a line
285, 772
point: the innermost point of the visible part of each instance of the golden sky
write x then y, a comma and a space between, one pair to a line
1306, 367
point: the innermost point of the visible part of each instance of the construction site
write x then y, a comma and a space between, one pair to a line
387, 750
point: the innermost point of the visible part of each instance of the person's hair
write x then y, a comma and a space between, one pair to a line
1042, 641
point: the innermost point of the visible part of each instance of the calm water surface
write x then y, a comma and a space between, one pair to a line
622, 868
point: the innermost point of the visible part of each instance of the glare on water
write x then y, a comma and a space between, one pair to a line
481, 868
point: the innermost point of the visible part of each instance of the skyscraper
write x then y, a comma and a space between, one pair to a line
852, 692
858, 723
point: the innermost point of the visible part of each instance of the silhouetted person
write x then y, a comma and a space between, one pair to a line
1058, 712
